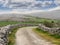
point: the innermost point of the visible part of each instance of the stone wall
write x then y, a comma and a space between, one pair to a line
50, 30
23, 25
6, 30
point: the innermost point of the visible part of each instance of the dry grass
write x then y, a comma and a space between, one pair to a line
55, 39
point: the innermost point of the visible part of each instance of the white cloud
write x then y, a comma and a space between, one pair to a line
57, 2
21, 12
27, 12
2, 1
46, 3
53, 9
22, 0
6, 3
32, 6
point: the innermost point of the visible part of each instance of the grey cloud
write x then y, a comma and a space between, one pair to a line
26, 4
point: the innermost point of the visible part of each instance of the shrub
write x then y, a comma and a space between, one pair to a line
48, 23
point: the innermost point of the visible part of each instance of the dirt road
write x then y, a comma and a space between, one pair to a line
25, 36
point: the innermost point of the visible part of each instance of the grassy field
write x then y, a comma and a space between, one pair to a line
4, 23
33, 20
55, 39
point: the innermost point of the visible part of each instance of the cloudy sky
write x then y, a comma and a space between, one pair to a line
28, 5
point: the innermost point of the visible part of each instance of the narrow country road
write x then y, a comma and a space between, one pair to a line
25, 36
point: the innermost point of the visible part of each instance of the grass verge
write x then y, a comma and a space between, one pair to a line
55, 39
11, 37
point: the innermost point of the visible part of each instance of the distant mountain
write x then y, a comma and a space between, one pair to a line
52, 14
41, 8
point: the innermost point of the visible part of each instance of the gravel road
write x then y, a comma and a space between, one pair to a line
25, 36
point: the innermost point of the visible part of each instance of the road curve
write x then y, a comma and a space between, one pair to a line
25, 36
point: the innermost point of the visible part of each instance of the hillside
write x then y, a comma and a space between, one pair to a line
49, 14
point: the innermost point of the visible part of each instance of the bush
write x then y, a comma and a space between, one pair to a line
48, 23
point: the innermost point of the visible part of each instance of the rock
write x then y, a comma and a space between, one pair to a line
50, 30
4, 32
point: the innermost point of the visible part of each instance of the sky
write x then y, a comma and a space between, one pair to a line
28, 5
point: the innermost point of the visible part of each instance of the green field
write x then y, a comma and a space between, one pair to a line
4, 23
33, 20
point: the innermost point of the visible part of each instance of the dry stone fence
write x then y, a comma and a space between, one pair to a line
6, 30
50, 30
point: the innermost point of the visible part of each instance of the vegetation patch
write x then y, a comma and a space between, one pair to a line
55, 39
4, 23
11, 37
33, 20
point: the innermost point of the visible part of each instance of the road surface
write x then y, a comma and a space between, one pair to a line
25, 36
